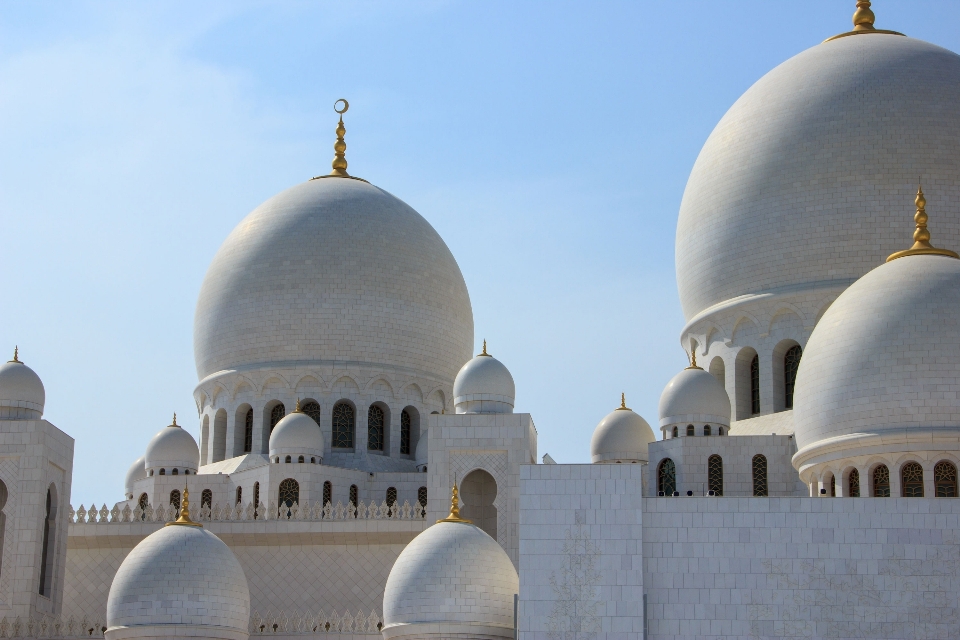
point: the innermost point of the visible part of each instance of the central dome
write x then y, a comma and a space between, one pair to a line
790, 191
330, 270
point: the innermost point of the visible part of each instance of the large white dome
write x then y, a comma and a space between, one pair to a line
180, 581
694, 395
484, 385
451, 581
792, 189
172, 448
882, 365
333, 270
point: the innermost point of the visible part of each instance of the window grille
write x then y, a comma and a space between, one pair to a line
853, 484
405, 432
911, 477
391, 499
354, 498
248, 432
343, 425
422, 498
755, 385
881, 482
312, 409
375, 420
945, 479
288, 494
760, 476
256, 499
276, 415
239, 495
706, 430
327, 493
790, 363
690, 430
715, 474
143, 501
175, 499
667, 477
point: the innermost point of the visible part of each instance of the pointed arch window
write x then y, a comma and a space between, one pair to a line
276, 415
375, 428
47, 550
288, 495
676, 432
833, 486
853, 484
760, 476
881, 482
343, 425
391, 499
175, 499
206, 499
312, 409
405, 423
945, 479
422, 498
667, 477
248, 432
354, 498
327, 493
715, 474
791, 361
256, 500
911, 480
755, 385
239, 495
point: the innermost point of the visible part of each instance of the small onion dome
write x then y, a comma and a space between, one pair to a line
172, 448
297, 434
21, 391
622, 436
422, 452
452, 581
484, 385
136, 471
180, 581
694, 396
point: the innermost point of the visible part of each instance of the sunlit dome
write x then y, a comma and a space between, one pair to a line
21, 392
172, 448
835, 133
622, 436
297, 434
484, 385
694, 396
136, 471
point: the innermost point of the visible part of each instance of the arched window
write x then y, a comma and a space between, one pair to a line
422, 498
288, 495
833, 486
391, 499
690, 430
313, 461
327, 493
175, 499
143, 501
176, 472
354, 498
881, 482
405, 423
676, 432
791, 360
343, 425
239, 495
375, 424
163, 472
300, 460
312, 409
706, 430
287, 460
206, 498
715, 474
276, 415
911, 479
945, 479
256, 500
248, 432
760, 476
667, 477
720, 431
853, 484
755, 385
47, 552
478, 491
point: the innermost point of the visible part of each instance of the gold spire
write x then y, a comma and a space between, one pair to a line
693, 358
297, 408
455, 508
16, 354
174, 421
623, 403
339, 147
921, 237
484, 350
863, 20
184, 519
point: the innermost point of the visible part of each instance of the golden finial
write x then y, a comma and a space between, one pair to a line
484, 353
455, 508
693, 357
623, 403
16, 354
339, 147
863, 20
297, 408
921, 236
184, 519
174, 424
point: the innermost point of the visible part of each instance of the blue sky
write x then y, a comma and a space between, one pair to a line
548, 143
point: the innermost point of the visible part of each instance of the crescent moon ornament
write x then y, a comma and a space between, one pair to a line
346, 106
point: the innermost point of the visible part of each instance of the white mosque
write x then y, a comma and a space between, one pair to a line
361, 474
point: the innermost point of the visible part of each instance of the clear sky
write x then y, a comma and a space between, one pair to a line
548, 143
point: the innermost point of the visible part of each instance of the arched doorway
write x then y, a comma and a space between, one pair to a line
477, 494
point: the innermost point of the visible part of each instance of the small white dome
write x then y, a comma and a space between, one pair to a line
451, 581
297, 434
172, 448
622, 436
694, 395
180, 581
422, 454
484, 385
136, 471
21, 392
880, 370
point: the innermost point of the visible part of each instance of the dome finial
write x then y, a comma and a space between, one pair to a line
454, 507
16, 354
339, 147
484, 353
921, 236
693, 356
184, 519
297, 408
863, 19
174, 424
623, 403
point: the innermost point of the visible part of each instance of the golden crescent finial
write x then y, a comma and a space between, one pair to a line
863, 19
339, 163
921, 235
184, 519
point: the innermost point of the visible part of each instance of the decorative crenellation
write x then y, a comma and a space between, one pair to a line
309, 624
54, 627
251, 513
